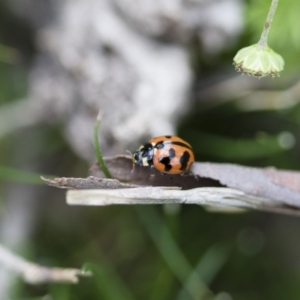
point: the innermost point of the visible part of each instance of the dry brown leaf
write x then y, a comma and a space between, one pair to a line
279, 185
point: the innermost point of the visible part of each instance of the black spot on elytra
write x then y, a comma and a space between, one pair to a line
166, 161
181, 144
162, 144
172, 153
184, 159
168, 136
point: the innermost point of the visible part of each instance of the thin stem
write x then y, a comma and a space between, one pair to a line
97, 148
37, 274
263, 41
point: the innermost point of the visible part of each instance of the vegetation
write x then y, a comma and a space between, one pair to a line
178, 252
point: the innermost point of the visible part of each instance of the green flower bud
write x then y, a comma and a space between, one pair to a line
258, 61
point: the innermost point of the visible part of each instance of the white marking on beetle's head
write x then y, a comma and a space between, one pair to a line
145, 161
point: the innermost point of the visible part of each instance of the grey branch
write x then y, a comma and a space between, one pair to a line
162, 195
222, 198
36, 274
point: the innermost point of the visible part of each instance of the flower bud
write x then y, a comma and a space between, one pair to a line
258, 61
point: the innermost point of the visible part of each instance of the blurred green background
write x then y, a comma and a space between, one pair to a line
154, 252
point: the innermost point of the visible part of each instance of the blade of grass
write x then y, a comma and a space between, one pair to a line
166, 279
212, 262
171, 253
108, 282
208, 267
97, 148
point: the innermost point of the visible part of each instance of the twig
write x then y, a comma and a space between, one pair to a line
36, 274
87, 183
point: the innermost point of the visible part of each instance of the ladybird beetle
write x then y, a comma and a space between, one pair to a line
167, 153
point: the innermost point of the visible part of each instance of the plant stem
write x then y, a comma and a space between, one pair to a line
97, 148
263, 41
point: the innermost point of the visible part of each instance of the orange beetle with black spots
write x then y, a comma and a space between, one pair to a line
168, 154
